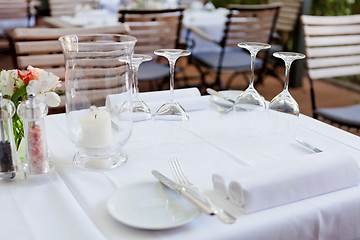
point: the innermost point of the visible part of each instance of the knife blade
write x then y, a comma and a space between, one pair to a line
308, 146
220, 95
184, 191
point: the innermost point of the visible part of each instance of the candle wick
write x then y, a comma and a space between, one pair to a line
95, 116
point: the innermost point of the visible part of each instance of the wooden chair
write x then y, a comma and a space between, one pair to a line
332, 47
14, 13
15, 9
245, 23
68, 7
40, 48
154, 29
289, 18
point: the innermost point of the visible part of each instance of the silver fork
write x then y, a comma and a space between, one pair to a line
181, 178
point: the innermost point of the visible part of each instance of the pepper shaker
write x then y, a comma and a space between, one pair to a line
37, 158
8, 155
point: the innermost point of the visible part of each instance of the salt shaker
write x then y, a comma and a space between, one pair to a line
8, 155
37, 159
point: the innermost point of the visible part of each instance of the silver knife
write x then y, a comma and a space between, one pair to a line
307, 145
220, 95
184, 192
210, 208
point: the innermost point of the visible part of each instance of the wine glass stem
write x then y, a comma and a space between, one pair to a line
252, 65
287, 70
135, 83
172, 73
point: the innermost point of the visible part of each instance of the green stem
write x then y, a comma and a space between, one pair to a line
18, 130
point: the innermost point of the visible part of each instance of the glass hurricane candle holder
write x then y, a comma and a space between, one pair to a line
95, 69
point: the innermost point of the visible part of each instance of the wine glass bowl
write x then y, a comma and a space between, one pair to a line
250, 99
284, 102
171, 109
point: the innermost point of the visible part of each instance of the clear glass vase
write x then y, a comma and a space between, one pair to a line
95, 71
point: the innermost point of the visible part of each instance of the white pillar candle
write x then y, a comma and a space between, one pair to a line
96, 129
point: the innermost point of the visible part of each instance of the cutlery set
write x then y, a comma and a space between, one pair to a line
193, 194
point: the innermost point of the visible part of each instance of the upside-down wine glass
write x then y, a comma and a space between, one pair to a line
284, 102
171, 109
250, 99
140, 109
286, 109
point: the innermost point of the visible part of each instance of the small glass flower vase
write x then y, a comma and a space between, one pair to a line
9, 160
37, 157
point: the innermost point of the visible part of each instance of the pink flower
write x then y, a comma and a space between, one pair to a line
35, 72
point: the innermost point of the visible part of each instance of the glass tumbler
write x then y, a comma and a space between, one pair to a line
94, 71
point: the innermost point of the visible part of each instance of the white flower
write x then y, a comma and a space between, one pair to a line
43, 88
7, 81
48, 81
52, 99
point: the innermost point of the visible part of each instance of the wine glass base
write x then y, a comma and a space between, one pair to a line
171, 112
100, 161
250, 100
285, 103
248, 107
140, 111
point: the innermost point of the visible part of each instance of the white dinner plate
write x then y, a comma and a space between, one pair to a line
231, 94
150, 205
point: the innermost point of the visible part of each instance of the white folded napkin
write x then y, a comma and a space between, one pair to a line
222, 180
257, 188
189, 98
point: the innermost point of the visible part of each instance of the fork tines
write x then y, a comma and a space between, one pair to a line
178, 171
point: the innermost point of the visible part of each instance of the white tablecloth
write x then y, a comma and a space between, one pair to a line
70, 204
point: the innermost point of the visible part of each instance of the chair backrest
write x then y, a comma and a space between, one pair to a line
154, 29
68, 7
40, 47
289, 14
250, 23
332, 45
16, 9
12, 9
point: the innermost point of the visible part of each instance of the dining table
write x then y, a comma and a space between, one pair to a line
73, 203
210, 22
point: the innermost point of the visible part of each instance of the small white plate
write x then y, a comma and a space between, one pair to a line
150, 205
231, 94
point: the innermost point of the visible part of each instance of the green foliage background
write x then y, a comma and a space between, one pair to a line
319, 7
